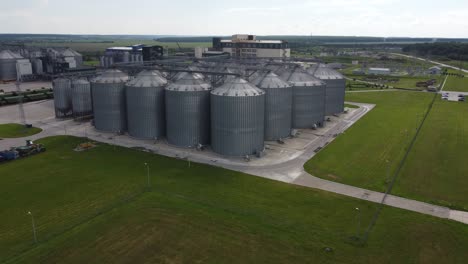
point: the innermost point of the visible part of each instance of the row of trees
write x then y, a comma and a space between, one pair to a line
453, 51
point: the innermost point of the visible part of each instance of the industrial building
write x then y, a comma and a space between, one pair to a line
379, 71
226, 105
248, 46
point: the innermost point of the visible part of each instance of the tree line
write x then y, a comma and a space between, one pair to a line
454, 51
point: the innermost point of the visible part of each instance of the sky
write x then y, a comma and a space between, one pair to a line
381, 18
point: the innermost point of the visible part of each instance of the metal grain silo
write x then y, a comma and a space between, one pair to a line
145, 105
308, 109
237, 118
81, 98
335, 91
109, 106
188, 111
8, 65
278, 106
62, 97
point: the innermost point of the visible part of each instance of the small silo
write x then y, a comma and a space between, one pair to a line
237, 118
145, 105
62, 97
308, 109
335, 91
188, 111
81, 98
109, 106
8, 65
278, 106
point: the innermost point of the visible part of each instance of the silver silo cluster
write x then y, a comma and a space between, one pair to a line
188, 111
8, 61
308, 99
237, 118
81, 98
278, 106
62, 97
335, 91
109, 106
145, 105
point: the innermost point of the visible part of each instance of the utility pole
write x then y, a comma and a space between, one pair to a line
359, 223
148, 175
20, 102
33, 226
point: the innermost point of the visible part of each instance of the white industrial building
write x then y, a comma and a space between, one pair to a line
248, 46
379, 71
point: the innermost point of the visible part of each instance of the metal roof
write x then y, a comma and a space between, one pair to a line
111, 76
301, 78
189, 82
148, 78
269, 81
237, 87
9, 55
325, 73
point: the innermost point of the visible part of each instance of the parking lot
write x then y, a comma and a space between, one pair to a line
453, 96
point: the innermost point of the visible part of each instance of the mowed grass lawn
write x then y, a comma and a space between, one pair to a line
17, 131
369, 151
197, 214
457, 84
368, 154
436, 169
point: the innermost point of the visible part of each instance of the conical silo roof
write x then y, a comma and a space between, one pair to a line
270, 81
148, 78
301, 78
237, 87
325, 73
189, 82
9, 55
111, 76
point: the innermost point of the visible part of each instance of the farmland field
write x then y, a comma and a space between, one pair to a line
90, 207
457, 84
368, 153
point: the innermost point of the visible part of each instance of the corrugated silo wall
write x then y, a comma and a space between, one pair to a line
62, 97
7, 70
188, 118
109, 107
237, 124
81, 99
146, 112
308, 106
278, 113
335, 96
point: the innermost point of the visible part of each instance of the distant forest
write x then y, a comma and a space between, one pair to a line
454, 51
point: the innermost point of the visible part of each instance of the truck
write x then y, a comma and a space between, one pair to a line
14, 153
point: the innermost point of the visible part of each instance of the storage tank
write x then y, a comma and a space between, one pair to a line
278, 106
237, 118
188, 111
335, 91
308, 109
62, 97
145, 105
8, 65
109, 106
81, 98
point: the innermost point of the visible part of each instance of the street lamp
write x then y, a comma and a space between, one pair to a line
33, 226
359, 222
148, 175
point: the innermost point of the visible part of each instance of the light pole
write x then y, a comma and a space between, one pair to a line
148, 175
33, 226
359, 222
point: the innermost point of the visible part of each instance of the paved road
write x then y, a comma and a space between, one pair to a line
431, 61
291, 171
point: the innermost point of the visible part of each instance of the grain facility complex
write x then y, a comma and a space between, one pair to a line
231, 106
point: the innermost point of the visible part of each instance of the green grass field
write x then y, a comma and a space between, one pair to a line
351, 106
369, 152
405, 82
436, 168
371, 149
17, 131
458, 84
197, 214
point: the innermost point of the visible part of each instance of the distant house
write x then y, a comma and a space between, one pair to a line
379, 71
435, 70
